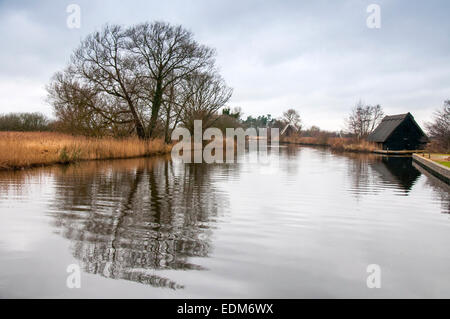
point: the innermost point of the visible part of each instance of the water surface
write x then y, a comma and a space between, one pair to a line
306, 224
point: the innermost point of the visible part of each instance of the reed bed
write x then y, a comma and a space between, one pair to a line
28, 149
336, 143
348, 145
323, 141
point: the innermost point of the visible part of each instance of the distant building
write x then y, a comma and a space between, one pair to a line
399, 132
289, 130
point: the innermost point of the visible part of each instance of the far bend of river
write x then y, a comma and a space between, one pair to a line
307, 224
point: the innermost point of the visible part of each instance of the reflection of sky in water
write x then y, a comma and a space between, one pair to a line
305, 224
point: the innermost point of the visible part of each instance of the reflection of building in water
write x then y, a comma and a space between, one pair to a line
370, 173
288, 158
396, 170
130, 218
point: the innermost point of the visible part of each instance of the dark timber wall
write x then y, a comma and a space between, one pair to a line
407, 136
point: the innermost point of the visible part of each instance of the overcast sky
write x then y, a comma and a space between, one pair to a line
318, 57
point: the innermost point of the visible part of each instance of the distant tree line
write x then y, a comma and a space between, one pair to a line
24, 122
363, 119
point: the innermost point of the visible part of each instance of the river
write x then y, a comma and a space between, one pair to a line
308, 223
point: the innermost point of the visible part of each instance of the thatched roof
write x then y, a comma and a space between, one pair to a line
388, 126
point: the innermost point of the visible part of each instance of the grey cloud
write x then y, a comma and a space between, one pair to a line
316, 56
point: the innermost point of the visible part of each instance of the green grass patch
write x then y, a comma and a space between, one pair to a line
444, 163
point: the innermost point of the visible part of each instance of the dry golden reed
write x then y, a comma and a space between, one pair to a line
336, 143
349, 145
20, 150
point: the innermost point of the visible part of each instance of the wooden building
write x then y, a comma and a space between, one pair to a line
399, 132
289, 130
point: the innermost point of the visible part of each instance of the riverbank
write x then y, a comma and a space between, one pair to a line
335, 143
443, 159
29, 149
434, 166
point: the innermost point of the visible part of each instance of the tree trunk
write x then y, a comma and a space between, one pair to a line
157, 101
140, 131
166, 130
167, 138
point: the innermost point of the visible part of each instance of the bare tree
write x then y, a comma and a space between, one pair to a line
292, 117
377, 116
100, 80
439, 128
127, 76
364, 119
82, 109
204, 94
171, 109
167, 55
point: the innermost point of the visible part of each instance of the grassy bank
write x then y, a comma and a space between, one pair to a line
22, 150
443, 159
444, 163
336, 143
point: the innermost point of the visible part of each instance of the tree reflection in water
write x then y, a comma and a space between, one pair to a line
127, 219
